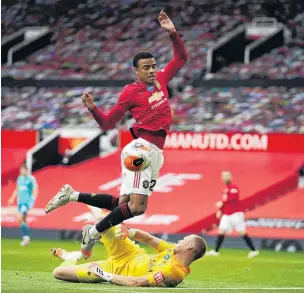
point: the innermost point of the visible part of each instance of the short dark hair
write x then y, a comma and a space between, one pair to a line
141, 55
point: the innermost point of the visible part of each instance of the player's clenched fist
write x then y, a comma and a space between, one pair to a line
88, 101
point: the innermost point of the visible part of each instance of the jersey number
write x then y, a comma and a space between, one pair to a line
153, 182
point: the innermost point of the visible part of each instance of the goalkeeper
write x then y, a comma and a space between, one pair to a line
130, 265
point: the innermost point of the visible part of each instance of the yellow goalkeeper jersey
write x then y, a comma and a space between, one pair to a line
127, 259
162, 269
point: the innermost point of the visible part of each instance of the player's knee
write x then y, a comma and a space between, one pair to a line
221, 232
138, 209
56, 273
242, 232
66, 273
59, 273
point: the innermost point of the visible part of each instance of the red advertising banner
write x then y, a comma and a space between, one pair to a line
14, 146
185, 193
23, 139
244, 142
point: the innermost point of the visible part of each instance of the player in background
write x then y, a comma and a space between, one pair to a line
231, 216
147, 100
130, 265
26, 193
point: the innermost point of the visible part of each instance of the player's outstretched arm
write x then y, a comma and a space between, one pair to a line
138, 235
13, 197
130, 281
180, 54
106, 121
35, 193
145, 237
35, 188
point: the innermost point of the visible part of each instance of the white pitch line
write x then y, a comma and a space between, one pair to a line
121, 289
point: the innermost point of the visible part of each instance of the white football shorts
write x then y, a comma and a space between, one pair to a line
142, 182
235, 222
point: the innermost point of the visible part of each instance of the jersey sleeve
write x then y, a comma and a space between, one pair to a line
163, 245
180, 57
108, 121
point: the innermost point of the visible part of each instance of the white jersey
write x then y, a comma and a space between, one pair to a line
142, 182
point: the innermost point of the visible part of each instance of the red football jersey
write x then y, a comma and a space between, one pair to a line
148, 104
231, 204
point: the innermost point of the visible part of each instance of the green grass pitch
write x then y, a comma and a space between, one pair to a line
29, 269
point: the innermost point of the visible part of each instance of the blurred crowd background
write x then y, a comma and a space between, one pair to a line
272, 109
95, 41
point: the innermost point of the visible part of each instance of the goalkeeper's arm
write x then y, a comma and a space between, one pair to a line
130, 281
156, 279
138, 235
